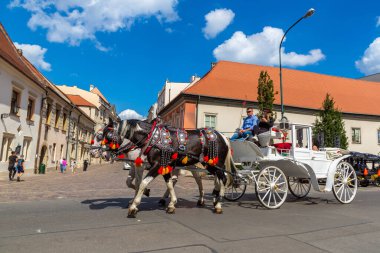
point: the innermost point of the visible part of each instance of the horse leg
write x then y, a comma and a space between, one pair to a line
173, 198
162, 201
132, 210
129, 182
219, 197
198, 180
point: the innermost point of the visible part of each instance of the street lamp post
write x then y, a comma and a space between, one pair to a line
308, 14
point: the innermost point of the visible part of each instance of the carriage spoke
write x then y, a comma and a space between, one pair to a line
270, 196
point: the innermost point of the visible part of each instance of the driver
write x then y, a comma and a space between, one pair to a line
248, 124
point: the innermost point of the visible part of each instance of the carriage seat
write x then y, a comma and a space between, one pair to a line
264, 138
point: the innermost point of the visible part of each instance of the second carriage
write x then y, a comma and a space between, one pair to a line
276, 167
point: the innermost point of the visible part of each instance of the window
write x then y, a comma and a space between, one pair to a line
48, 114
378, 136
57, 116
61, 152
210, 120
30, 110
25, 147
356, 135
5, 147
64, 122
15, 102
54, 152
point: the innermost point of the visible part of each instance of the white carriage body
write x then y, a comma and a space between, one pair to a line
299, 160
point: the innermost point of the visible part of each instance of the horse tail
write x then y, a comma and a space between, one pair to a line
228, 162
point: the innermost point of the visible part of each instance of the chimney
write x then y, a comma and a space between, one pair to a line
19, 51
91, 87
194, 78
213, 64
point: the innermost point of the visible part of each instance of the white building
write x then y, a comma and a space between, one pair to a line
219, 100
20, 103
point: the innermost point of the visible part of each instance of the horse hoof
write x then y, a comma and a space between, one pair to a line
170, 210
147, 192
132, 213
218, 211
162, 202
200, 203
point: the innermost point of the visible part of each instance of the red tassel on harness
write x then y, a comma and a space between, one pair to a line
138, 161
205, 158
92, 142
121, 156
160, 170
216, 160
117, 145
175, 156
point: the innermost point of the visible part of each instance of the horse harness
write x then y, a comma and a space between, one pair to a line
160, 138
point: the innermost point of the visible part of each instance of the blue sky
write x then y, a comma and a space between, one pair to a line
128, 48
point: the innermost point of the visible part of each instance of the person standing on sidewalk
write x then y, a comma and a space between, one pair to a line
12, 159
73, 166
63, 165
20, 167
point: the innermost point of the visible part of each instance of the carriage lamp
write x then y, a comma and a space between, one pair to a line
307, 14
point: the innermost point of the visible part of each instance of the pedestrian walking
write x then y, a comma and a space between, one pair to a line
12, 159
73, 166
20, 167
85, 165
63, 165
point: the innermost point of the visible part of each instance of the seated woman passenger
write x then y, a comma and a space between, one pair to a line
248, 124
265, 124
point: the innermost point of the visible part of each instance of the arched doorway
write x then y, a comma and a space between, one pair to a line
43, 155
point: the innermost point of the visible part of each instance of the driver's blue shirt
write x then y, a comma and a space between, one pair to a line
250, 122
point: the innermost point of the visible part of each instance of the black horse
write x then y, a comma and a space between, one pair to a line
166, 147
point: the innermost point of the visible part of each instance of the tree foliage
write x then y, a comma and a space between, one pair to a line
329, 126
265, 92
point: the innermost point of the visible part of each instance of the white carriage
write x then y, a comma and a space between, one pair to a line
277, 166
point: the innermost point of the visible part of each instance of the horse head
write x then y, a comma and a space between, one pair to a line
105, 140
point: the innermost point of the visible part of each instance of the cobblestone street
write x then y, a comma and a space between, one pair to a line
107, 180
86, 212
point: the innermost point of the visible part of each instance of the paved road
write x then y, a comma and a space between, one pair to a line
85, 212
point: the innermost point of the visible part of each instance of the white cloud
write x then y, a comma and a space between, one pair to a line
370, 61
216, 21
130, 114
35, 54
262, 48
73, 21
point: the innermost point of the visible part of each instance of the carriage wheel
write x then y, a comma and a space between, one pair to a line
271, 187
377, 182
345, 183
299, 187
236, 189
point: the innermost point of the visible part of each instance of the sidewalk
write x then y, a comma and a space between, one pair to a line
29, 173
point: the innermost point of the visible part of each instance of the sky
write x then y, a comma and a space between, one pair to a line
129, 48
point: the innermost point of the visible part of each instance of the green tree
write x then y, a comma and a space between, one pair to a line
329, 126
265, 92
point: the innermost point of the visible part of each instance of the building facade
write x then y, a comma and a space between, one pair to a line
219, 100
20, 102
102, 111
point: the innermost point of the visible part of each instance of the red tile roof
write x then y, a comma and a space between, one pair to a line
10, 54
300, 88
79, 101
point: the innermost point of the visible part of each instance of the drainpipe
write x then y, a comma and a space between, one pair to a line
196, 111
68, 135
76, 140
39, 132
